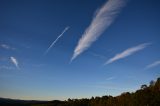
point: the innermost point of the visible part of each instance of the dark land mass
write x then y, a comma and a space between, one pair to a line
145, 96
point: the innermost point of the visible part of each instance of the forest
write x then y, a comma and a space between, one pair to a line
147, 95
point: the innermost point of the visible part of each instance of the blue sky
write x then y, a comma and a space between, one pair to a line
119, 50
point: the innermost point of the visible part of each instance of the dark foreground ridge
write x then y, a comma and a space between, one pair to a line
146, 96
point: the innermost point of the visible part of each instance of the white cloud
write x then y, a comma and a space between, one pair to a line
127, 52
154, 64
14, 61
54, 42
103, 18
5, 46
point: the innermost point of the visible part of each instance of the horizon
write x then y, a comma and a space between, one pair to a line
55, 50
140, 88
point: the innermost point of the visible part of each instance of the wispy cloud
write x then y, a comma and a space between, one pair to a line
110, 86
54, 42
154, 64
7, 47
97, 55
14, 61
6, 67
103, 18
127, 52
110, 78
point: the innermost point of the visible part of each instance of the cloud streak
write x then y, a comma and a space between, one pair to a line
7, 47
14, 61
154, 64
54, 42
127, 52
103, 18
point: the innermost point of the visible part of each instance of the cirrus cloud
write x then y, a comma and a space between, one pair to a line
103, 18
14, 61
154, 64
127, 52
7, 47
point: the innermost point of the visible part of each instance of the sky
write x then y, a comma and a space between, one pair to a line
58, 49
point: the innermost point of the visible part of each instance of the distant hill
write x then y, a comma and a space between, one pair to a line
16, 102
146, 96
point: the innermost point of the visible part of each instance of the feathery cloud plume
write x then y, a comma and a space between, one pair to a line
127, 52
154, 64
14, 61
102, 19
54, 42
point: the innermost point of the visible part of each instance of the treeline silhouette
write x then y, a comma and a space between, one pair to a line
145, 96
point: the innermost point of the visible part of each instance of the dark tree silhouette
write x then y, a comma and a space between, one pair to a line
143, 86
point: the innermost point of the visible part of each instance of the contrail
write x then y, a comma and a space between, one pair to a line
103, 18
54, 42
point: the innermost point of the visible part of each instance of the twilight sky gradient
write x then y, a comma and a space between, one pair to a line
114, 47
